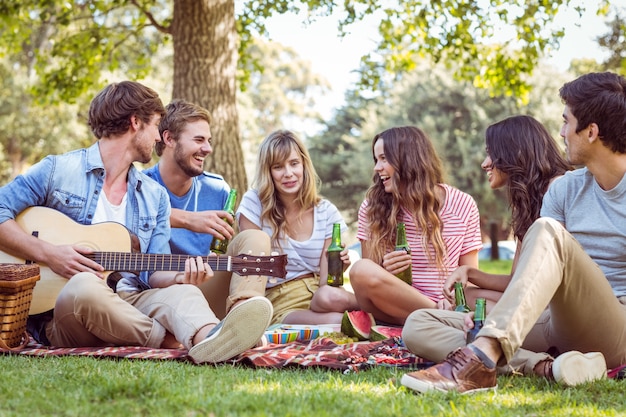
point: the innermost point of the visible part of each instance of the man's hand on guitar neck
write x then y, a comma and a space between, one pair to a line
68, 260
196, 272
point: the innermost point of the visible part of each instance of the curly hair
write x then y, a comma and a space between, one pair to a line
275, 149
418, 173
522, 148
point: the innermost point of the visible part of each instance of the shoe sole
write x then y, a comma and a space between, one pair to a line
242, 328
573, 368
424, 387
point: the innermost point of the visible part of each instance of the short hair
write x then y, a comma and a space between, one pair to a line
600, 98
110, 111
177, 114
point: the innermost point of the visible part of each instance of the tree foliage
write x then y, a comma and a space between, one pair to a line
30, 130
453, 113
76, 46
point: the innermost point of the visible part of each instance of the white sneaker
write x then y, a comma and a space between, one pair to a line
240, 330
573, 368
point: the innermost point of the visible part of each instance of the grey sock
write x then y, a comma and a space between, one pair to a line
483, 358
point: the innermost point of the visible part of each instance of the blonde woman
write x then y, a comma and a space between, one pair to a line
442, 224
285, 203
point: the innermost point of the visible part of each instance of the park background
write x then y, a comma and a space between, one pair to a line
55, 54
334, 72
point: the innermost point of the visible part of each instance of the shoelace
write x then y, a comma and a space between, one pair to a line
457, 359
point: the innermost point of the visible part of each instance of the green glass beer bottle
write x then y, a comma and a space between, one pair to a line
218, 245
335, 264
479, 319
459, 298
401, 244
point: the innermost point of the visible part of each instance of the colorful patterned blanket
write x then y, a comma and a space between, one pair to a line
321, 352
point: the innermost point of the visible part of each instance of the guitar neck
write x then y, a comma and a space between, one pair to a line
122, 261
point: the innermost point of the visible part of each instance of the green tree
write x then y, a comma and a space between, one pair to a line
75, 45
280, 90
453, 113
31, 130
614, 41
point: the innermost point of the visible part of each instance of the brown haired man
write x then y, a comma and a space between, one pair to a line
197, 198
100, 184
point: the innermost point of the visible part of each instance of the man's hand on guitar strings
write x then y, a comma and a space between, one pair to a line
196, 272
68, 261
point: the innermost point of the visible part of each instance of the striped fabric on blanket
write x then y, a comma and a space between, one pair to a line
321, 352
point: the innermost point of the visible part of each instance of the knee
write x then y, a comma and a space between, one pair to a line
83, 286
544, 225
361, 272
84, 283
332, 299
413, 330
252, 241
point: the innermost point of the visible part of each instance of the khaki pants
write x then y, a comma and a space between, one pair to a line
88, 313
226, 288
557, 298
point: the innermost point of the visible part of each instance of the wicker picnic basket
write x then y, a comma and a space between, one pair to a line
16, 291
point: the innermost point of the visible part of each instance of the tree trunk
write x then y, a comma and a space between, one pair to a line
205, 65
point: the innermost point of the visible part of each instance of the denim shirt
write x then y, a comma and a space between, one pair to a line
71, 183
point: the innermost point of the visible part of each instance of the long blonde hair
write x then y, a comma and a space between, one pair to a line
276, 148
418, 173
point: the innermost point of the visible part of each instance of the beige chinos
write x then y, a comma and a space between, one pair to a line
88, 313
558, 297
226, 288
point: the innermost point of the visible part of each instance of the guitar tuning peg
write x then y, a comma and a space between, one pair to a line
272, 280
274, 253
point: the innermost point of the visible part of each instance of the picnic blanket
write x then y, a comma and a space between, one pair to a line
321, 352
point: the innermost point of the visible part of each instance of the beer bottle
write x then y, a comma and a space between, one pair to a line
479, 320
218, 245
407, 274
459, 298
335, 264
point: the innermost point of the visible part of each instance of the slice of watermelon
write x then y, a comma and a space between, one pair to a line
357, 324
384, 332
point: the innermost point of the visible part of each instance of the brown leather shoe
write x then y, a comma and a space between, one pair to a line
462, 371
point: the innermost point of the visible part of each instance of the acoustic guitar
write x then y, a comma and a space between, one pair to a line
112, 247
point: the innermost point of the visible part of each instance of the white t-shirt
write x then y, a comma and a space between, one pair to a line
107, 212
303, 257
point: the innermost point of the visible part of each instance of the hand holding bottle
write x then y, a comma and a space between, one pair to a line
461, 274
219, 244
396, 261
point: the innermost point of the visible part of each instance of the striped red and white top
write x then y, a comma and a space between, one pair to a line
461, 234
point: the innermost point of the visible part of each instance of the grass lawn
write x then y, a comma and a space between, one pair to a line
81, 386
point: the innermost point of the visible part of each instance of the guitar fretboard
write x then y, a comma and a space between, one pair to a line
123, 261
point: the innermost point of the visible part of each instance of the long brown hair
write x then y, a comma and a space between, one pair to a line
418, 173
522, 148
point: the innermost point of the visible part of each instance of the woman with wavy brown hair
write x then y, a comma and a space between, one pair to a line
442, 225
523, 157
